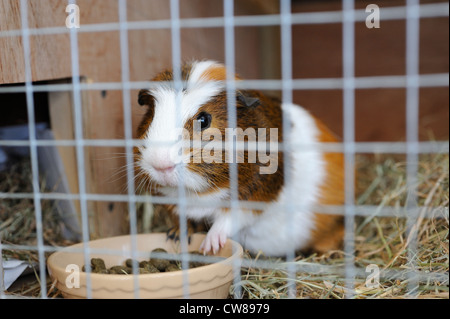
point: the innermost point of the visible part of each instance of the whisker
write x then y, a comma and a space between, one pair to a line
112, 156
142, 181
120, 173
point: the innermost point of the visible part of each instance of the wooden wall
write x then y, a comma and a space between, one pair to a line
380, 113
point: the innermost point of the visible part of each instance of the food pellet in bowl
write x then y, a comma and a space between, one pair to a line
98, 263
154, 265
129, 262
120, 270
148, 267
195, 264
172, 267
159, 263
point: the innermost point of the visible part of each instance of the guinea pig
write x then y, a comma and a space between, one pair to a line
288, 185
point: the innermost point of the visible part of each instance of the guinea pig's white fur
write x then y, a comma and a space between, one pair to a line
280, 228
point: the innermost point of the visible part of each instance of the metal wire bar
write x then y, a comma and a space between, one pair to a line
412, 126
371, 82
348, 54
310, 268
178, 84
78, 127
230, 63
287, 97
128, 133
33, 148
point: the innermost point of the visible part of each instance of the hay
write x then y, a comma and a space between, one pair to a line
18, 223
382, 241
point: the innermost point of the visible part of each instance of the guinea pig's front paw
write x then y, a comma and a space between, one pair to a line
214, 240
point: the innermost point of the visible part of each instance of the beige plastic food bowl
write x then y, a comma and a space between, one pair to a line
210, 281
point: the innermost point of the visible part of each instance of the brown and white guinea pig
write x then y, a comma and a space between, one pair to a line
312, 177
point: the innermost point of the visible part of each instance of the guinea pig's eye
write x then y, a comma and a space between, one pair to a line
204, 120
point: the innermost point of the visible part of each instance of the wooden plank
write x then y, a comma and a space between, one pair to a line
257, 7
11, 49
101, 163
104, 165
52, 169
62, 124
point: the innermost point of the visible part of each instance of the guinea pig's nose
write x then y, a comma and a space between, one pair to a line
164, 169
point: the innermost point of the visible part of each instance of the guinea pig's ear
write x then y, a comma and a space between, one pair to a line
145, 98
247, 100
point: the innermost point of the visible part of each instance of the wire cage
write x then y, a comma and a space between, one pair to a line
69, 157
